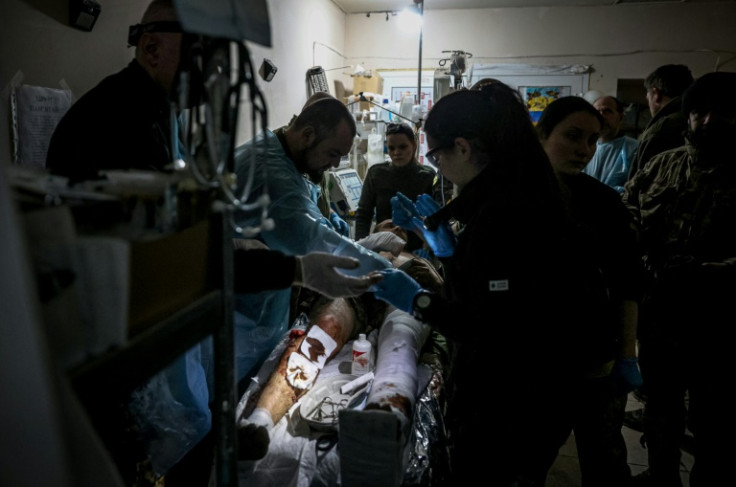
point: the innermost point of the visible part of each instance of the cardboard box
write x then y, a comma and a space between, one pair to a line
357, 107
168, 273
372, 84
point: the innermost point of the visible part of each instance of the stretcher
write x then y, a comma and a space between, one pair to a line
387, 432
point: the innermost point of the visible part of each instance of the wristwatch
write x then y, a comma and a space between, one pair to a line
421, 305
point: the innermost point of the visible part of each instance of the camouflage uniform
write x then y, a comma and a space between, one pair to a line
685, 206
665, 131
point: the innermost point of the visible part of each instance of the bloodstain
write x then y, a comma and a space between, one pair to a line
316, 349
296, 333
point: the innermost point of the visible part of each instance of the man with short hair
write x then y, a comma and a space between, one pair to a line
614, 152
323, 202
290, 163
684, 201
666, 129
125, 121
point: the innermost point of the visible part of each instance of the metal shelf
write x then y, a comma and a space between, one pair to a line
106, 381
115, 374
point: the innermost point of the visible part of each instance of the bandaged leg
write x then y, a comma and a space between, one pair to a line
300, 364
394, 389
383, 427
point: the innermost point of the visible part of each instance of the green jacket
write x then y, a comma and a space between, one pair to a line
664, 131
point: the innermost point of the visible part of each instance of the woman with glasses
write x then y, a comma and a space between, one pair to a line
382, 181
508, 302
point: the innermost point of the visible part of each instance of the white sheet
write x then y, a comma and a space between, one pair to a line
298, 456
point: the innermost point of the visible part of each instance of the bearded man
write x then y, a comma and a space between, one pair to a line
288, 165
684, 201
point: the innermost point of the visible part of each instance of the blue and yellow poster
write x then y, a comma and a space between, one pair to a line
538, 97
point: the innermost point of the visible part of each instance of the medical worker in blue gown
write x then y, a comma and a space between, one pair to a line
289, 164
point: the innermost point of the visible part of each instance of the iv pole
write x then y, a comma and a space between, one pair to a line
420, 7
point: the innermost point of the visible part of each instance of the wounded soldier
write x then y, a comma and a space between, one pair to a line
332, 323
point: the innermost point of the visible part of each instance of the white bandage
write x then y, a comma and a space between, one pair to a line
300, 372
261, 417
317, 346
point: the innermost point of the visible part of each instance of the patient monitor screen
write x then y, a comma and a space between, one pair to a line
349, 186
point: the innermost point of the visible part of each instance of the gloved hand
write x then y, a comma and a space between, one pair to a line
426, 205
319, 273
442, 241
383, 241
402, 211
625, 375
397, 288
340, 225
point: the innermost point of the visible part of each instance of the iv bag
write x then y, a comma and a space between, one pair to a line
375, 148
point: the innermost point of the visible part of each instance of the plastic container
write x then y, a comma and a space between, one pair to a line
416, 113
406, 105
374, 155
361, 355
386, 114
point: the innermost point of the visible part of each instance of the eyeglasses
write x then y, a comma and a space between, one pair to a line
431, 155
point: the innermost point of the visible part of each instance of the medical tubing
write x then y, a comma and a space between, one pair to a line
195, 121
246, 76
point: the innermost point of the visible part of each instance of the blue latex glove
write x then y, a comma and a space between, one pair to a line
426, 205
626, 376
441, 241
397, 288
402, 211
340, 225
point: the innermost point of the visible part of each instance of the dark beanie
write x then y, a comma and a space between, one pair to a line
712, 90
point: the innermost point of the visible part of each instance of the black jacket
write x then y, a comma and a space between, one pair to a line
504, 280
122, 123
382, 182
665, 131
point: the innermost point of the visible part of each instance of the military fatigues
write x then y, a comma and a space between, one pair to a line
686, 208
664, 131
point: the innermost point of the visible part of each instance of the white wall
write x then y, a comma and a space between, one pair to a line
624, 41
296, 25
619, 41
37, 42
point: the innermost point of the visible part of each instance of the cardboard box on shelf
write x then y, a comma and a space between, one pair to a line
167, 274
357, 106
96, 291
372, 84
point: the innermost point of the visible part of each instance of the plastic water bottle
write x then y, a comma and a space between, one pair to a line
361, 356
386, 114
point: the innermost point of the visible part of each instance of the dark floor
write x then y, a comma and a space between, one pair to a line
566, 471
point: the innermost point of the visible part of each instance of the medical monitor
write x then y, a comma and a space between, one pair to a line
345, 187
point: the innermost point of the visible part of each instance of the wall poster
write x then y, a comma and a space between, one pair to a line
538, 97
551, 81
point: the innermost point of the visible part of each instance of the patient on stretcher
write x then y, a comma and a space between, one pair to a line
332, 323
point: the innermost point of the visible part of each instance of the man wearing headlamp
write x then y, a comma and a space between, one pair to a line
125, 121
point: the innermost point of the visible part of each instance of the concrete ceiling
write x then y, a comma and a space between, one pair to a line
362, 6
